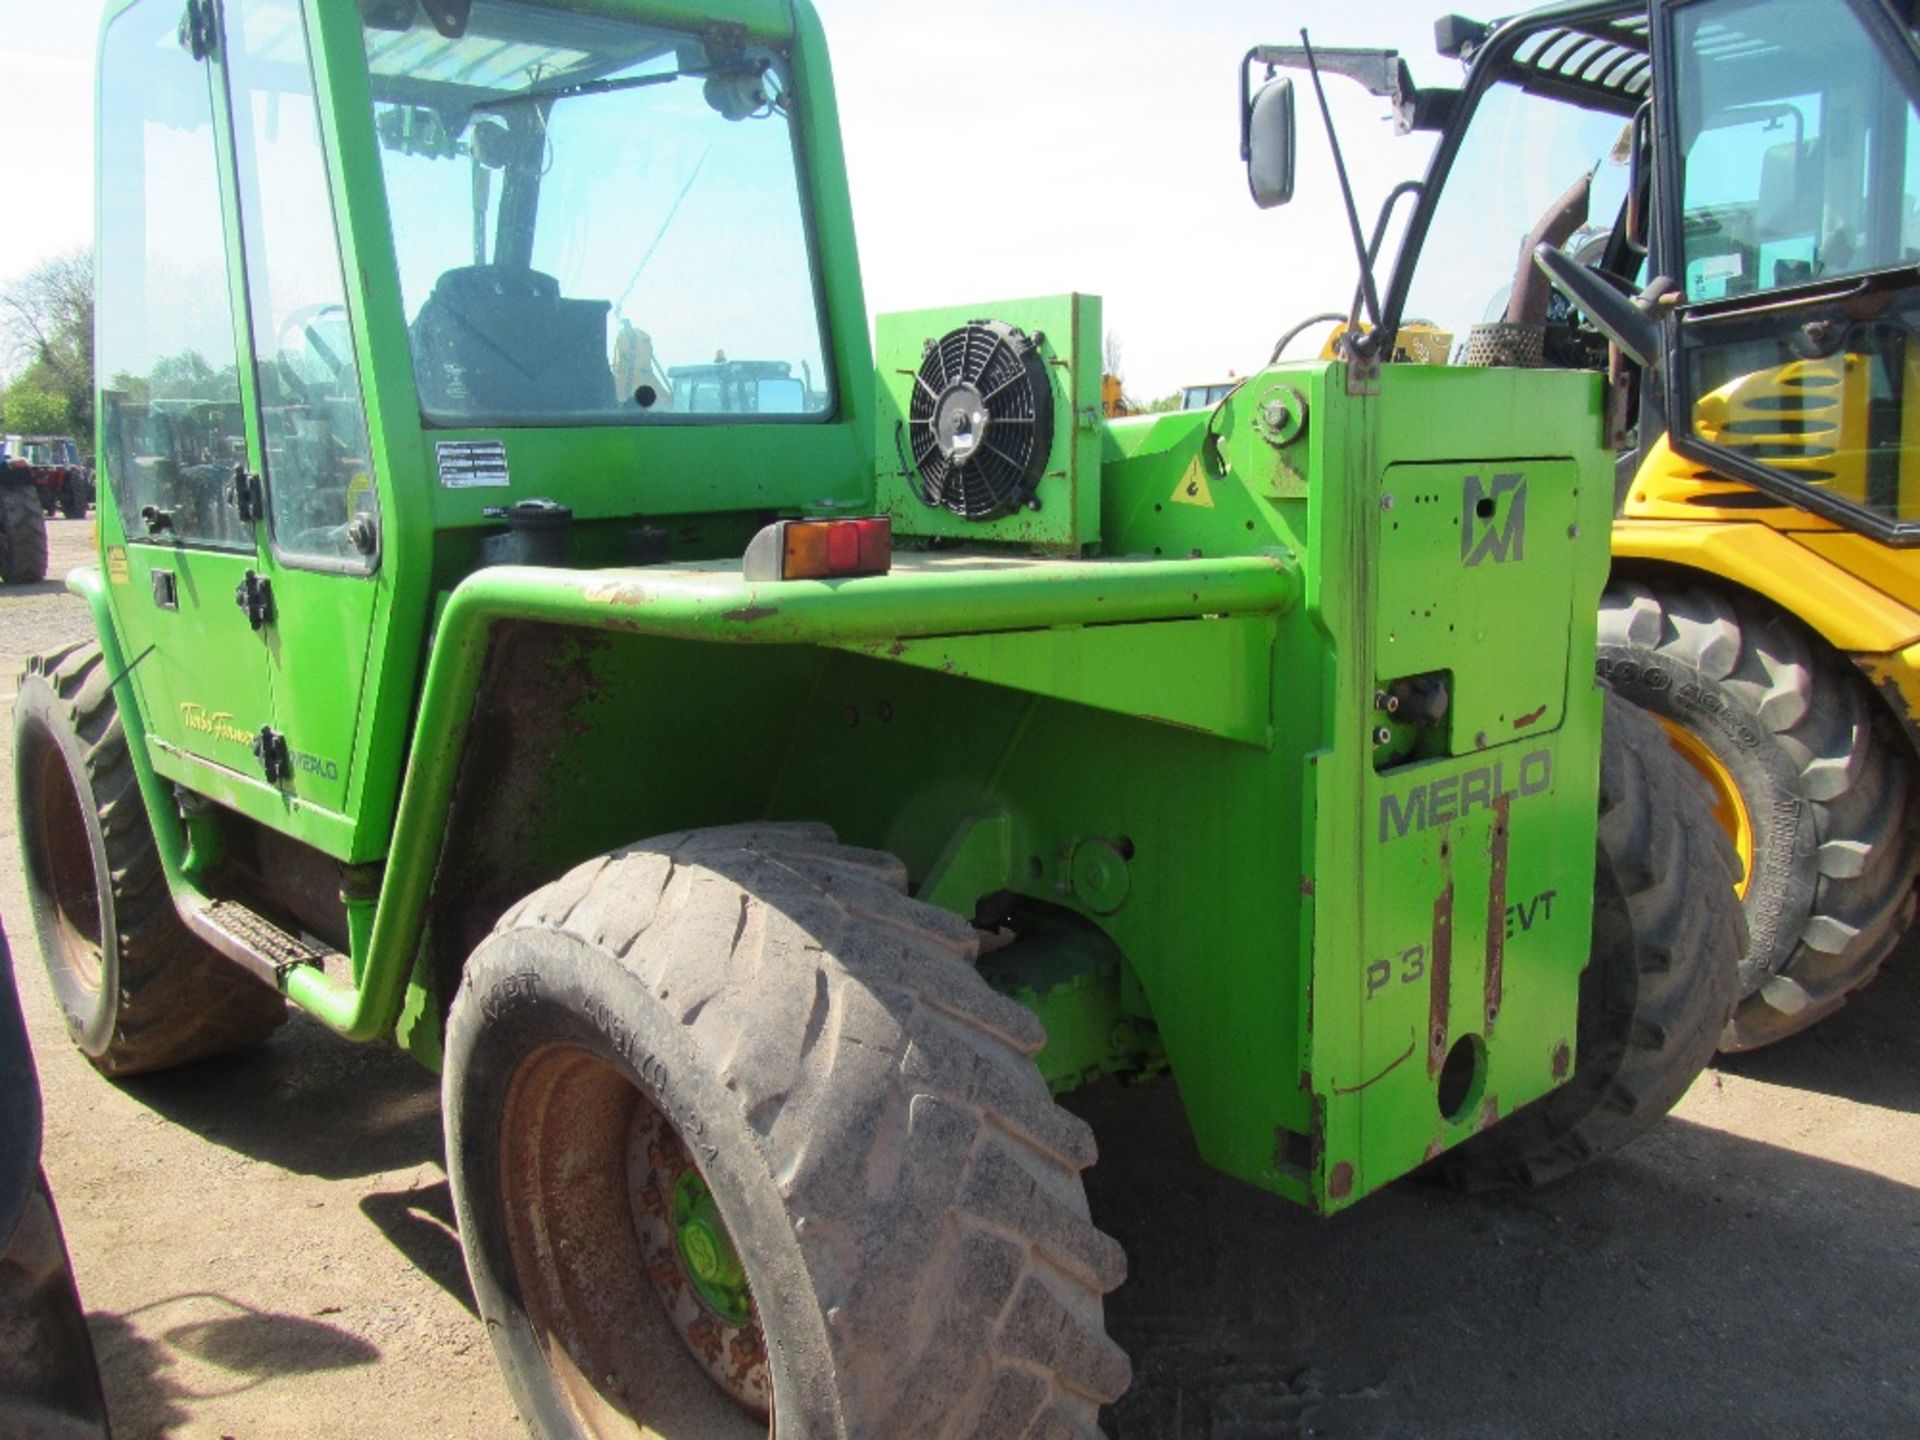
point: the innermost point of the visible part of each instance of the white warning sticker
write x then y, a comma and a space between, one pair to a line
472, 464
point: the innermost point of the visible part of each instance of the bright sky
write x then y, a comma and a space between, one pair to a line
1001, 149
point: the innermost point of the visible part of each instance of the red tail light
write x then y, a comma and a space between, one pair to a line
821, 549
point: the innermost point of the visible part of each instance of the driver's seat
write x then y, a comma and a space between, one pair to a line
501, 342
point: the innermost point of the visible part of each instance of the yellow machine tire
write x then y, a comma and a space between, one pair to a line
1811, 775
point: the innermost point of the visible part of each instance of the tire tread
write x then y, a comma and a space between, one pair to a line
1855, 778
178, 1000
899, 1114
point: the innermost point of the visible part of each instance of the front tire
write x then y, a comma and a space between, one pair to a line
886, 1233
138, 990
1810, 777
1660, 981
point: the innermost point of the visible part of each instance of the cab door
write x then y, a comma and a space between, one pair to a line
308, 416
182, 549
1789, 143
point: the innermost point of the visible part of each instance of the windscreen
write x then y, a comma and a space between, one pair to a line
596, 221
1521, 154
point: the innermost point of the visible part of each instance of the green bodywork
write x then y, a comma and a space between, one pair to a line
1146, 746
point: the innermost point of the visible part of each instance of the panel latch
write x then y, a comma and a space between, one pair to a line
270, 749
249, 498
254, 596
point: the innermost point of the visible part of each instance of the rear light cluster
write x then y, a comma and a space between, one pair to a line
820, 549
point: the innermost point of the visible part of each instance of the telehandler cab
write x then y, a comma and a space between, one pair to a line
760, 814
1764, 601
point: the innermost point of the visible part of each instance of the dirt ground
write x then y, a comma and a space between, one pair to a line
265, 1246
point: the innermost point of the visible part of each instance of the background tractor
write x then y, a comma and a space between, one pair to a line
1764, 603
760, 814
54, 464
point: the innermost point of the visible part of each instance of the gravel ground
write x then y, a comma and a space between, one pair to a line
265, 1246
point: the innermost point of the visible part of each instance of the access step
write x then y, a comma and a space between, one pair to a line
254, 942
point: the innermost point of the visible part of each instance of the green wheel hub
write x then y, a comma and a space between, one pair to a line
707, 1250
692, 1263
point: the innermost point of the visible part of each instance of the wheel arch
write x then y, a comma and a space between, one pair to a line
1836, 603
575, 741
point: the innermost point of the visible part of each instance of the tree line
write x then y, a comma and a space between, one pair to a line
46, 344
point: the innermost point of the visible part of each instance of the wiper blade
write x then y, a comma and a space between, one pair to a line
590, 87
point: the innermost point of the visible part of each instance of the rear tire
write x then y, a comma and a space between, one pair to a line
1823, 785
902, 1193
1667, 932
138, 990
23, 536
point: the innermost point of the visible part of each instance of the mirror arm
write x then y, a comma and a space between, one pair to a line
1379, 72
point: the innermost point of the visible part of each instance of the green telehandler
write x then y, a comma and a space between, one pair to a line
761, 816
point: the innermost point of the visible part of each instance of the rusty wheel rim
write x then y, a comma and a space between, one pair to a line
64, 864
692, 1263
589, 1172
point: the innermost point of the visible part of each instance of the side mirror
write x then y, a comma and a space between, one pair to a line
1629, 320
1269, 147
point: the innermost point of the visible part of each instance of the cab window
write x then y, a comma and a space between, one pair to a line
319, 471
168, 361
590, 213
1801, 150
1799, 232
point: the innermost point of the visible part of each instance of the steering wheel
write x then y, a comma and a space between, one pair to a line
300, 325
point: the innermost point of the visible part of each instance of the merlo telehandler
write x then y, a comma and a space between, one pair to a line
760, 815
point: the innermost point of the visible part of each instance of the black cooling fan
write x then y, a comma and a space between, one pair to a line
980, 424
